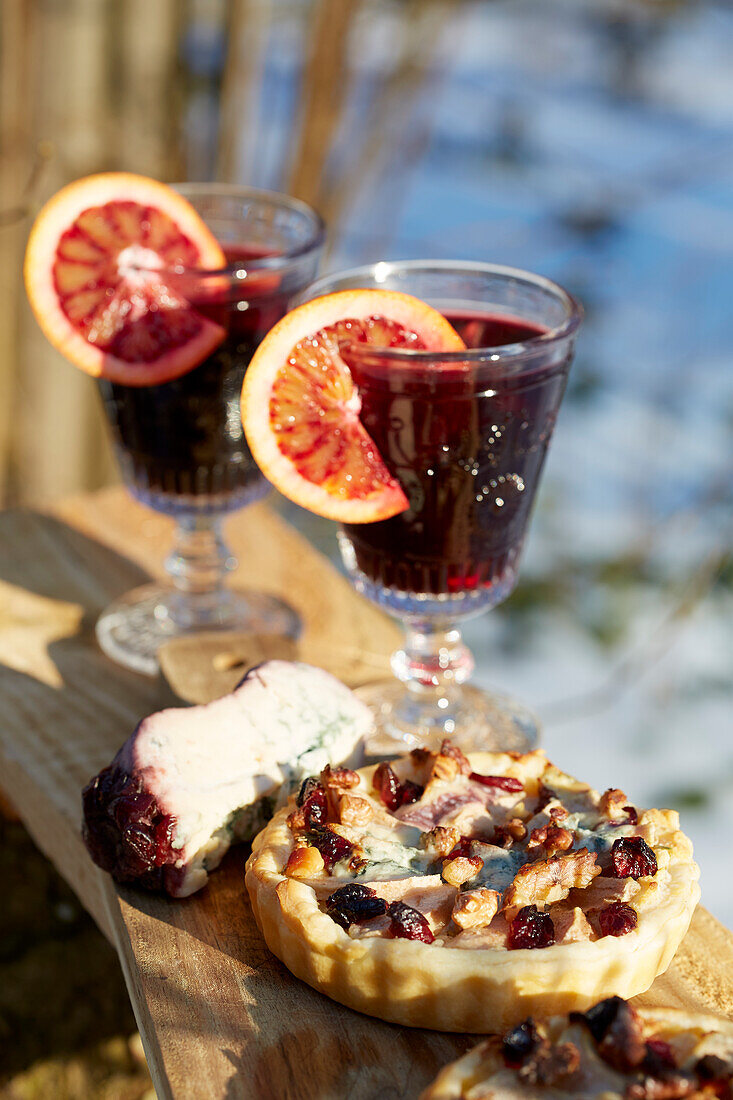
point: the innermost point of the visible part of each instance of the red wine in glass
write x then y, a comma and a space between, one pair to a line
468, 451
465, 433
181, 443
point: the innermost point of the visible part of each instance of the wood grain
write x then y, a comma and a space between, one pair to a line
219, 1016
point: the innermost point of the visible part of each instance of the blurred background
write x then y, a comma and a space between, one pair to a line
589, 140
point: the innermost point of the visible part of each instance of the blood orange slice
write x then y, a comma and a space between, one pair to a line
95, 273
300, 406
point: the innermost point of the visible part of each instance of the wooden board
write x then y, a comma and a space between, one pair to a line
219, 1016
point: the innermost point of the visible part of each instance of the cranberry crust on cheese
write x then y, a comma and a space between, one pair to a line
463, 893
190, 781
613, 1051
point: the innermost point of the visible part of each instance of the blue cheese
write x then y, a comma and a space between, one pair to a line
211, 767
394, 853
500, 865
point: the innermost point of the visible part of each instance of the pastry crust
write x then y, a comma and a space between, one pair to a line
486, 988
482, 1072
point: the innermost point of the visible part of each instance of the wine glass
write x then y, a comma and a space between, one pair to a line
465, 434
180, 444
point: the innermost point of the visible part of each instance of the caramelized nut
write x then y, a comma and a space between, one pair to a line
461, 869
550, 880
444, 767
613, 803
296, 821
304, 862
505, 835
343, 778
475, 908
449, 749
441, 840
354, 810
551, 839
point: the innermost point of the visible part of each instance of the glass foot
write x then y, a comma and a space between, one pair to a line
132, 629
474, 720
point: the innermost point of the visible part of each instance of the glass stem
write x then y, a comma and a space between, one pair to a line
197, 566
432, 662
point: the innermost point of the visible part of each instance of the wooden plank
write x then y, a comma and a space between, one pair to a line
219, 1016
226, 1011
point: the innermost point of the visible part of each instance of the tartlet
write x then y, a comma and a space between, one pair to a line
614, 1052
464, 894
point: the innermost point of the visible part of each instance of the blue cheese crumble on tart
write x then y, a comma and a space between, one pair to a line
460, 893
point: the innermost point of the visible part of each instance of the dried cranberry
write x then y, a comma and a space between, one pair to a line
124, 829
132, 807
315, 808
712, 1068
332, 847
387, 786
659, 1056
616, 1028
410, 792
519, 1043
308, 786
599, 1018
503, 782
530, 928
393, 793
617, 919
408, 923
631, 857
140, 846
354, 903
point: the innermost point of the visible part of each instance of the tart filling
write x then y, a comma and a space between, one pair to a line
436, 875
613, 1051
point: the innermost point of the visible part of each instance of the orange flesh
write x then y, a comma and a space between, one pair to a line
314, 409
136, 319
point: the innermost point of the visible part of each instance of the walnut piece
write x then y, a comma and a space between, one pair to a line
296, 821
476, 908
441, 840
550, 839
613, 803
354, 810
342, 778
444, 768
549, 880
550, 1064
461, 869
505, 835
449, 749
304, 862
